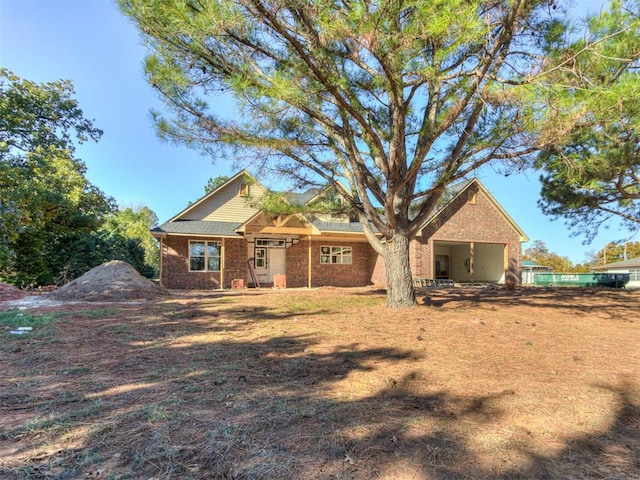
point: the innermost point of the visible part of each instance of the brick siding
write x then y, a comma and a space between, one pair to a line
462, 221
175, 267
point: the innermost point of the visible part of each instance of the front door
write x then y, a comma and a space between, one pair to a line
277, 258
270, 259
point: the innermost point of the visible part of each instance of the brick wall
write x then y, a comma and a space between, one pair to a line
176, 274
297, 269
462, 221
175, 267
357, 274
379, 275
235, 261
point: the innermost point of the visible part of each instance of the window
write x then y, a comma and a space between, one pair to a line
335, 255
261, 258
204, 256
268, 242
472, 197
244, 190
634, 274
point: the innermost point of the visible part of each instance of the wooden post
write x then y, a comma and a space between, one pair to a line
309, 262
222, 254
161, 261
507, 273
472, 253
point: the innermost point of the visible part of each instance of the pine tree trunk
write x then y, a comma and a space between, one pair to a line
399, 280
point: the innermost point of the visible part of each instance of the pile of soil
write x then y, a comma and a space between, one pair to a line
9, 292
111, 281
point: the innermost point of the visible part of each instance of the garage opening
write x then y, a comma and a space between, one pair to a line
467, 262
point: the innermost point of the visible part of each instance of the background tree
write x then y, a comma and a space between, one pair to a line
592, 166
214, 183
615, 252
47, 204
388, 102
129, 229
540, 254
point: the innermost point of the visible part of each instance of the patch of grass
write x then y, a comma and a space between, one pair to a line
116, 328
305, 303
162, 411
76, 370
16, 318
96, 313
220, 301
57, 423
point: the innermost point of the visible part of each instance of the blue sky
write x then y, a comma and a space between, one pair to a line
92, 44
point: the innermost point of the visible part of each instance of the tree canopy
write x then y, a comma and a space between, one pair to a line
214, 183
592, 162
52, 219
389, 102
541, 255
128, 231
46, 202
616, 252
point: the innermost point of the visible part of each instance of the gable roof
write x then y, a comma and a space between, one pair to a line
198, 227
455, 191
213, 193
179, 225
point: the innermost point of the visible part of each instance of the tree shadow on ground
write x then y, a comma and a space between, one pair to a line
558, 298
156, 397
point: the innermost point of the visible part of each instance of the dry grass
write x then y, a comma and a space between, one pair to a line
314, 384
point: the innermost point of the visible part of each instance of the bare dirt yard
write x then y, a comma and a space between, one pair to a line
322, 384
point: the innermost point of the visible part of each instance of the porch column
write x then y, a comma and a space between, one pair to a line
309, 264
506, 264
432, 259
161, 261
222, 255
472, 250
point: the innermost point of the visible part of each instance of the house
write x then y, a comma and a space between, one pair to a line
530, 269
225, 239
630, 266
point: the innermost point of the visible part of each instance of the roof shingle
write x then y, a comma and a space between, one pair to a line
199, 227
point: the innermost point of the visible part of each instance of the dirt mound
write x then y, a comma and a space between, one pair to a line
111, 281
9, 292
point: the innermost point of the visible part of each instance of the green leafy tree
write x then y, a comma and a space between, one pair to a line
130, 229
615, 252
592, 164
46, 203
540, 254
388, 102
